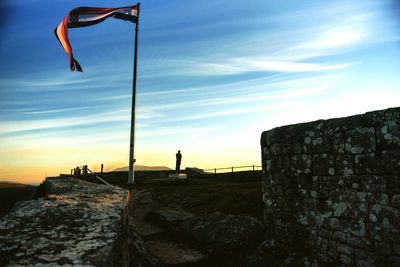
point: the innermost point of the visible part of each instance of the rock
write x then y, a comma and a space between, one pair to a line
296, 260
170, 218
266, 254
78, 223
224, 234
174, 254
194, 172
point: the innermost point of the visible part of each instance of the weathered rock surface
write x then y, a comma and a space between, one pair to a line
223, 234
170, 218
77, 223
266, 254
175, 254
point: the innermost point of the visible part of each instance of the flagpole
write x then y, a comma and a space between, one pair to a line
132, 160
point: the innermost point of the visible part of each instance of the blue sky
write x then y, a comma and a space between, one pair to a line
212, 76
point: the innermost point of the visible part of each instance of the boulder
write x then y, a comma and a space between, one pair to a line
223, 234
266, 254
169, 218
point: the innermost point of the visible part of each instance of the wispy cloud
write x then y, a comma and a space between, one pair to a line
50, 111
256, 90
241, 65
163, 131
234, 111
7, 127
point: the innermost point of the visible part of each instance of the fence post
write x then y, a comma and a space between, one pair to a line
232, 169
253, 168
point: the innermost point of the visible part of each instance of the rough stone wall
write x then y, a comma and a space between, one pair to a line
333, 187
77, 223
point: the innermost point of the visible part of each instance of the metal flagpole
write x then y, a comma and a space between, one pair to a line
132, 140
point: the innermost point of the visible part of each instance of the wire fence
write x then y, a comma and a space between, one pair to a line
233, 168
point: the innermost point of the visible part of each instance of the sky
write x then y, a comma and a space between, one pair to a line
212, 76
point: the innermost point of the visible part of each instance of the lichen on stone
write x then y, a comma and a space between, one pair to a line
66, 227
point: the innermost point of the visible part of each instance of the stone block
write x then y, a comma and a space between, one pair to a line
301, 164
279, 164
390, 162
274, 136
388, 135
324, 244
364, 258
310, 204
391, 184
344, 165
275, 150
360, 242
382, 248
382, 199
346, 260
396, 201
331, 250
367, 164
358, 228
339, 208
354, 241
359, 141
339, 141
316, 142
340, 236
345, 249
325, 233
304, 181
362, 196
323, 164
386, 216
333, 224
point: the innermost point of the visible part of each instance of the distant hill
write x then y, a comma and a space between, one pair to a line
143, 168
11, 192
8, 184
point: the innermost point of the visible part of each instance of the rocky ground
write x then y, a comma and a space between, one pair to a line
161, 222
198, 222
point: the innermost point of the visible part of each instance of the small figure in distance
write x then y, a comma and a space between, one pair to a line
102, 168
78, 171
178, 161
85, 170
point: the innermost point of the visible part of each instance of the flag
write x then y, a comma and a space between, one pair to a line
88, 16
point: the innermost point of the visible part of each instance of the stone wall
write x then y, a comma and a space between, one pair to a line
76, 223
333, 188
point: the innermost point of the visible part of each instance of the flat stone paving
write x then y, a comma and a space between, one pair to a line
76, 225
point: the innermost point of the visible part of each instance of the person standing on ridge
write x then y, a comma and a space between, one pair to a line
178, 161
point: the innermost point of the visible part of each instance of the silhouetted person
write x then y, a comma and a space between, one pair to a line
78, 171
102, 168
178, 161
85, 170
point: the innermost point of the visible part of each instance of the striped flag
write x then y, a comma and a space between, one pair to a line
88, 16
